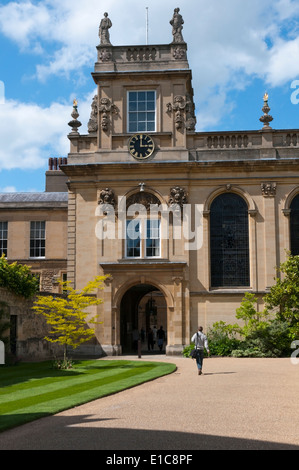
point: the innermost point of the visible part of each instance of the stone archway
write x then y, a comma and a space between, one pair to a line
143, 307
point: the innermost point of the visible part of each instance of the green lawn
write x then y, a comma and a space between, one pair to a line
31, 391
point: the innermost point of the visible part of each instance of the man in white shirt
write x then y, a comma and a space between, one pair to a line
200, 340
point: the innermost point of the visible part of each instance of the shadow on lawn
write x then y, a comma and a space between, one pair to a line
89, 433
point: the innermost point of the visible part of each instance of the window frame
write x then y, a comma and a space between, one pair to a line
139, 128
294, 223
42, 247
3, 240
233, 254
144, 229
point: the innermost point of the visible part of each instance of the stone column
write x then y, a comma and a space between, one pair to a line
270, 230
71, 245
175, 319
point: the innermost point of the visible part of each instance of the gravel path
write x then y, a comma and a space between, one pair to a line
236, 404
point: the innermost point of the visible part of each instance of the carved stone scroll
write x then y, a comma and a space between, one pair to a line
106, 108
93, 121
183, 110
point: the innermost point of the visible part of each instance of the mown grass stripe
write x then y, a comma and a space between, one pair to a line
38, 387
29, 374
30, 408
56, 393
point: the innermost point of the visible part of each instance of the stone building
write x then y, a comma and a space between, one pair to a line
183, 222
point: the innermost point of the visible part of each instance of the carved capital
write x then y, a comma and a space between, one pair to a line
178, 197
268, 189
107, 200
177, 280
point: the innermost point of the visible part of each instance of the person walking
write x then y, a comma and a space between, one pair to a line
161, 337
150, 339
200, 340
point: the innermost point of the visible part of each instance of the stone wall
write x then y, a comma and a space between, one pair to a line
31, 330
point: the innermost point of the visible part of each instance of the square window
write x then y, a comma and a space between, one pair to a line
141, 111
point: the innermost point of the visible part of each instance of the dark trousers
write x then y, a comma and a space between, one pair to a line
199, 358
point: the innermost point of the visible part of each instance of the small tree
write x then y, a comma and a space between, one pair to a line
283, 297
253, 320
67, 315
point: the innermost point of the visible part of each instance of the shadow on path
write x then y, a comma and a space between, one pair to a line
85, 433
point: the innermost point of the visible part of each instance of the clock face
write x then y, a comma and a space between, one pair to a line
141, 146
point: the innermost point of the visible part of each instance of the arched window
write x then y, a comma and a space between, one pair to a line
229, 241
294, 225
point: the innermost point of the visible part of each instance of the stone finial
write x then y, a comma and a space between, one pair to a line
177, 26
104, 35
266, 118
74, 123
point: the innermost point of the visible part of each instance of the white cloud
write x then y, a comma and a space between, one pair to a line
8, 189
30, 134
229, 42
283, 63
24, 21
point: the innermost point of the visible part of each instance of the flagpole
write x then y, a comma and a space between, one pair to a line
146, 25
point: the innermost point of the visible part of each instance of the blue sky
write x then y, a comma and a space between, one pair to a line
237, 50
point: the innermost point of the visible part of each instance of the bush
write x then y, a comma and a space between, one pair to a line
222, 339
270, 340
18, 279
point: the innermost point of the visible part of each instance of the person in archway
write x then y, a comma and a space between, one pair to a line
150, 339
200, 340
135, 338
161, 337
155, 335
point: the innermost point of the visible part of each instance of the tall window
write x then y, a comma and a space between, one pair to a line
3, 238
294, 226
37, 239
229, 241
143, 238
141, 111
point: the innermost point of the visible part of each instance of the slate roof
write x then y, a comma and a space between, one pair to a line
33, 197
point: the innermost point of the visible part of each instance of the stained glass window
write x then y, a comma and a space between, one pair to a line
294, 226
229, 241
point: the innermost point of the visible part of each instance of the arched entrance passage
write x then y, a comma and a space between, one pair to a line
142, 308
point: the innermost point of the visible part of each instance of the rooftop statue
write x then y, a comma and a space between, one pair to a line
105, 25
177, 26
